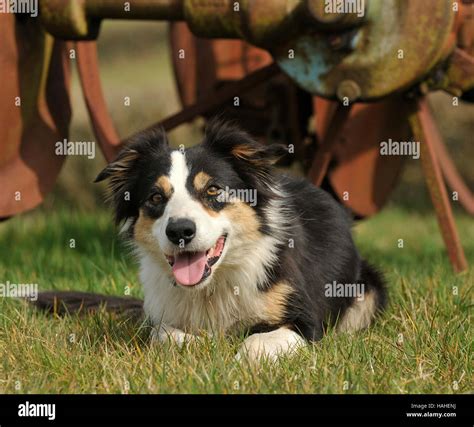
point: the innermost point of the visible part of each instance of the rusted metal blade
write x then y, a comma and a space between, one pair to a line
362, 178
34, 111
104, 129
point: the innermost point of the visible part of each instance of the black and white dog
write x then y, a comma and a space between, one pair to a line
227, 244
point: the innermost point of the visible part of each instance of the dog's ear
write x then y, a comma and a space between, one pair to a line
141, 145
119, 167
258, 154
233, 143
124, 172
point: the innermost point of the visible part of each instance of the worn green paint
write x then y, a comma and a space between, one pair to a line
371, 58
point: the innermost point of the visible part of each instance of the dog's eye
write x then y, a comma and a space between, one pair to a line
212, 190
155, 198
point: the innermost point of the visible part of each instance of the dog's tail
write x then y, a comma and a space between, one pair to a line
71, 302
374, 282
361, 312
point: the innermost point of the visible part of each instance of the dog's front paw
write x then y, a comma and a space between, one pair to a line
170, 335
270, 345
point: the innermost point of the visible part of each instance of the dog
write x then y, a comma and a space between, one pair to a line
227, 244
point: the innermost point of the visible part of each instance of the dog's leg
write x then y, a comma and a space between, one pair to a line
168, 334
270, 345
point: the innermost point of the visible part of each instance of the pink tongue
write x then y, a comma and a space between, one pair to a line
188, 269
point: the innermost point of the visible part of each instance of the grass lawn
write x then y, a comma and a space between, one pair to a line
421, 345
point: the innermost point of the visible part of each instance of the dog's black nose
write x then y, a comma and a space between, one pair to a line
181, 230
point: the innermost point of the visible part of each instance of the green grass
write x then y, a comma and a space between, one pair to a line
105, 353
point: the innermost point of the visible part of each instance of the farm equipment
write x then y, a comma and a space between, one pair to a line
329, 78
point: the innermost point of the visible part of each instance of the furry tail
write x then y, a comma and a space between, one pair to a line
374, 282
361, 312
70, 302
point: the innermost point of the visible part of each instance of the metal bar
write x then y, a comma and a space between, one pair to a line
218, 98
328, 137
422, 124
80, 19
261, 22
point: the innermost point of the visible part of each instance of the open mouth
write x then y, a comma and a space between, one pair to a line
191, 268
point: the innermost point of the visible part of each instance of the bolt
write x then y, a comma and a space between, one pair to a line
348, 89
342, 40
424, 88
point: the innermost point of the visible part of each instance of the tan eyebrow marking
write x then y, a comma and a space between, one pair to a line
200, 180
163, 182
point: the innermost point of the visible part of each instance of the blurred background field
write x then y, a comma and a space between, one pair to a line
430, 306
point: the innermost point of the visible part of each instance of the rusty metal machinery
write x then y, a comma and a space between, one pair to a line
362, 72
328, 54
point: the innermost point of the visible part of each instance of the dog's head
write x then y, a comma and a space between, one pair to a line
194, 210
